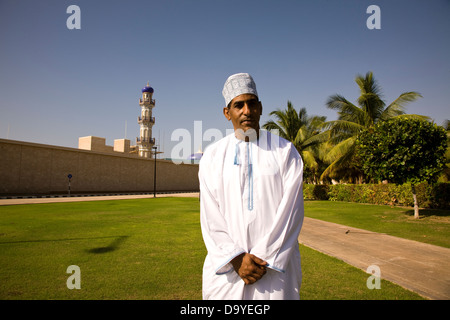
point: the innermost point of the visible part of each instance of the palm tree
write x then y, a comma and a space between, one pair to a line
352, 119
299, 128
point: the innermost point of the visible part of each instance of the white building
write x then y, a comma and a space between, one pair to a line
145, 142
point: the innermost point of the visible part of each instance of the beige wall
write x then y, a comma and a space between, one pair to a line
31, 168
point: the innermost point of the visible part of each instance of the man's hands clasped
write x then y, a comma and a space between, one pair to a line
249, 267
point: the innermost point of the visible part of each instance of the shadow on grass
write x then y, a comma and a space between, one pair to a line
111, 247
429, 212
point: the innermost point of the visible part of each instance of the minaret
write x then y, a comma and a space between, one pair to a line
145, 142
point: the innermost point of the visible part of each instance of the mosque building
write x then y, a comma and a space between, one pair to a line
144, 143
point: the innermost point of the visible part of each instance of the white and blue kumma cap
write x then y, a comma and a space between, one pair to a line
237, 84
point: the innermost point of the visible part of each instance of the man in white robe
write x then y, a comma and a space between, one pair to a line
251, 206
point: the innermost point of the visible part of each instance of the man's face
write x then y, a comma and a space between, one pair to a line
244, 112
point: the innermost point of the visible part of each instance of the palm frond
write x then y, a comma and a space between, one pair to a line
309, 159
367, 84
338, 127
397, 107
342, 159
288, 120
316, 139
347, 110
317, 122
301, 136
372, 105
341, 149
271, 125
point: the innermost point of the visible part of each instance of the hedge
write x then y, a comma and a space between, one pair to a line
433, 196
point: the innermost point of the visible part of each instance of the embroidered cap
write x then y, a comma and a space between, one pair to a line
237, 84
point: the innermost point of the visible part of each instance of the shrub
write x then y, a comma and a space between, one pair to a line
435, 196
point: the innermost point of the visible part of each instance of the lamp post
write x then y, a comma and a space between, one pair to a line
154, 175
70, 177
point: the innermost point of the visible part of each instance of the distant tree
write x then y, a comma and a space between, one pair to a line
403, 150
299, 128
370, 109
445, 176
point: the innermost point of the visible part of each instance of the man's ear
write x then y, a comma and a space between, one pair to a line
226, 113
260, 107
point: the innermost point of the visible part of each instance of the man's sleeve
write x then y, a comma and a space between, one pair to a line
276, 246
221, 248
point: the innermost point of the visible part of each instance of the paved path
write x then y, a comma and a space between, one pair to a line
76, 198
417, 266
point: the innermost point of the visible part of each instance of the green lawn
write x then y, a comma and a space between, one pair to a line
138, 249
126, 249
433, 226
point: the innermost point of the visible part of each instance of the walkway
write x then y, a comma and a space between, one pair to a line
88, 197
417, 266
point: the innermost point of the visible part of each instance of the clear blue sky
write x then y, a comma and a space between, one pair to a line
58, 84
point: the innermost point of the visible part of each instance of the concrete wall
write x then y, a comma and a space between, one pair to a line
31, 168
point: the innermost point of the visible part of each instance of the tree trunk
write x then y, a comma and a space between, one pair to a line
416, 205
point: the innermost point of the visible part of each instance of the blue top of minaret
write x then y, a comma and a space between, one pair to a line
147, 88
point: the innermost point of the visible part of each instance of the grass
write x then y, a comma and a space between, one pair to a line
433, 227
128, 249
139, 249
